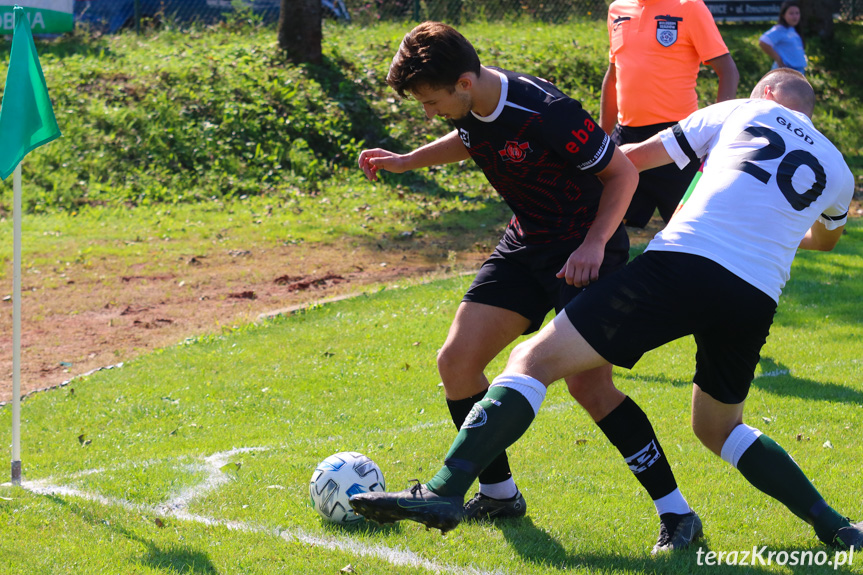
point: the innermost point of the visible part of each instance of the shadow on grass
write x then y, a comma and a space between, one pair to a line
640, 379
169, 559
536, 546
825, 287
449, 230
367, 125
777, 379
182, 560
478, 230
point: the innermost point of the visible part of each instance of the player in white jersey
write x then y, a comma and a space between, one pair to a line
767, 171
771, 183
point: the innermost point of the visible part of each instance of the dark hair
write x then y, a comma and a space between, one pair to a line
431, 55
783, 9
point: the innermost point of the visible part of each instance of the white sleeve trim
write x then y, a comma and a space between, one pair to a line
674, 150
598, 156
831, 223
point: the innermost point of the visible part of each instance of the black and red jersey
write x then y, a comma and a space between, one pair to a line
540, 150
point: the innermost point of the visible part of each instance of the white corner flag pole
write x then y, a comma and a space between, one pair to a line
16, 329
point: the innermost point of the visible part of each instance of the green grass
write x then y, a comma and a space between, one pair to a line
195, 459
169, 153
156, 235
160, 158
220, 114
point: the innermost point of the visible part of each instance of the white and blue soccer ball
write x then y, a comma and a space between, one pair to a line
338, 477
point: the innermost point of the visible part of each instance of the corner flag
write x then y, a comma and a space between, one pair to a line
26, 118
26, 122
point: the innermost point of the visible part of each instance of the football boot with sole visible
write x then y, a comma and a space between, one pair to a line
416, 503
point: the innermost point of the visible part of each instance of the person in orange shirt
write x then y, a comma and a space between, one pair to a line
656, 47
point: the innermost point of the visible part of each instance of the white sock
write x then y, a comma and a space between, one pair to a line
504, 490
532, 389
741, 438
674, 502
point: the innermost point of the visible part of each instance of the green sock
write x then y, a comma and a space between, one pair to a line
769, 468
495, 423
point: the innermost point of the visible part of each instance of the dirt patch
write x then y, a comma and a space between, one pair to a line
98, 316
77, 321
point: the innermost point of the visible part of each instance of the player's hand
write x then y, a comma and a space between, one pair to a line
582, 266
377, 159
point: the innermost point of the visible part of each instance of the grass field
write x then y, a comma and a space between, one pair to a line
178, 116
196, 459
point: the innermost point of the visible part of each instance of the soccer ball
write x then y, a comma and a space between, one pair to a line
338, 477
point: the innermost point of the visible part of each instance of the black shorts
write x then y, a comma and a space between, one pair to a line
661, 296
521, 278
660, 188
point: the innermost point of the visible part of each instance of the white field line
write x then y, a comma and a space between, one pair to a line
397, 557
774, 373
215, 478
176, 507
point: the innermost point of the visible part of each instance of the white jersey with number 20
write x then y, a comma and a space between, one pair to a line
768, 176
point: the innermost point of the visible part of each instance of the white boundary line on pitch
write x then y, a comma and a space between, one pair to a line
774, 373
176, 507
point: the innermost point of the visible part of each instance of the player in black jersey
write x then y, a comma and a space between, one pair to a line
568, 187
715, 272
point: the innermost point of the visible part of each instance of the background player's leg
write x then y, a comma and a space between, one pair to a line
627, 427
668, 184
478, 333
764, 464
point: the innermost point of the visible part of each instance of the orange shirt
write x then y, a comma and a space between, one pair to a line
656, 47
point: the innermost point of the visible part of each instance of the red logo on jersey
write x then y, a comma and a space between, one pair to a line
514, 152
582, 135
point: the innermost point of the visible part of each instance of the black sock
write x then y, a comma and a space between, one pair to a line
498, 470
629, 430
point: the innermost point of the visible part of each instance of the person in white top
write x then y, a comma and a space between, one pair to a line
771, 184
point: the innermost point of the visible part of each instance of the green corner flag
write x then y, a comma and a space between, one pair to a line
26, 118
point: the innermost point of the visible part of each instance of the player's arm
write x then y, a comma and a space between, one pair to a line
608, 100
648, 154
619, 179
728, 75
445, 150
820, 238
